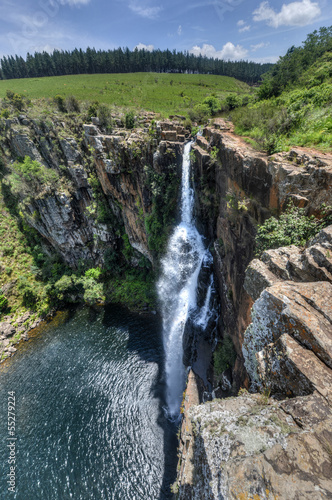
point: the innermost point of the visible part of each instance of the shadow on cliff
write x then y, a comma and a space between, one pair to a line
201, 475
145, 339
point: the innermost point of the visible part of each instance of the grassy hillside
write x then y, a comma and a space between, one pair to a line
294, 106
159, 92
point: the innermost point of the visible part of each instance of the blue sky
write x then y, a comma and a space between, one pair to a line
229, 29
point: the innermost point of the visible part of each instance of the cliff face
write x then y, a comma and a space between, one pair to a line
66, 214
277, 310
96, 199
237, 189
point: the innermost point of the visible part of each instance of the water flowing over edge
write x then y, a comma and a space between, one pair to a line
177, 290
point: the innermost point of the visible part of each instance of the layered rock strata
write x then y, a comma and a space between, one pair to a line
277, 310
252, 447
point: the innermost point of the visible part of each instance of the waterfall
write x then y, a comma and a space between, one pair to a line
177, 289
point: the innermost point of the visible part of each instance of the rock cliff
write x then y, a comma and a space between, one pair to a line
277, 311
93, 195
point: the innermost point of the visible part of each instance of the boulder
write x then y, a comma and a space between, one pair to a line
6, 329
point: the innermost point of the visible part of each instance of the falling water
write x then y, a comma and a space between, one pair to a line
177, 289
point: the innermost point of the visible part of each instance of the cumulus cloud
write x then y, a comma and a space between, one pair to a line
143, 11
142, 46
228, 52
240, 23
294, 14
180, 30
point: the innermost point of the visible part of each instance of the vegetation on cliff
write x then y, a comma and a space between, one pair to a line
34, 275
295, 100
293, 227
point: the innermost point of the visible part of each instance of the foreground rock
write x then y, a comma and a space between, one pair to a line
288, 345
251, 447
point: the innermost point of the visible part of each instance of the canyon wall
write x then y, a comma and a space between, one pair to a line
277, 311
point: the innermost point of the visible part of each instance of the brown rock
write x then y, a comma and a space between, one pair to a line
286, 367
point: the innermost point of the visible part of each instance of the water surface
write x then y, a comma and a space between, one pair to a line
89, 410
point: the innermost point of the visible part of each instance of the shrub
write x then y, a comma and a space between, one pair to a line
93, 109
130, 120
213, 104
292, 228
30, 298
93, 273
72, 104
3, 303
5, 113
224, 356
200, 113
30, 175
65, 287
60, 102
233, 101
105, 118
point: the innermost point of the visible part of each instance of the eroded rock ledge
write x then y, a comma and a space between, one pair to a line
251, 447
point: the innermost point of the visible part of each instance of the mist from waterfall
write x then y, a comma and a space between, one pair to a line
177, 289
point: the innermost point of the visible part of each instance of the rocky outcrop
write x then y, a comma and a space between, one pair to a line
237, 188
252, 447
288, 345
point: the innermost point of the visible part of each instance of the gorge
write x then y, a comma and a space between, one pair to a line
288, 289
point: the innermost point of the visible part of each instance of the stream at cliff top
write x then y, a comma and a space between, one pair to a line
89, 410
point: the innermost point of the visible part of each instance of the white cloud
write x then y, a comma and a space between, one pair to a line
294, 14
229, 51
258, 46
245, 28
73, 2
180, 30
142, 46
142, 11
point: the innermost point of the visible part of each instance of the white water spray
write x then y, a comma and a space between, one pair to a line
177, 289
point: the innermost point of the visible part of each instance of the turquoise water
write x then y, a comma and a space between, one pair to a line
90, 424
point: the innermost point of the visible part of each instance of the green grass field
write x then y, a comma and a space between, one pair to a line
159, 92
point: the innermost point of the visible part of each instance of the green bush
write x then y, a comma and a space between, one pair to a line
200, 113
292, 228
213, 104
72, 104
224, 356
105, 118
3, 303
233, 101
30, 175
94, 273
93, 109
130, 120
60, 102
16, 100
5, 113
